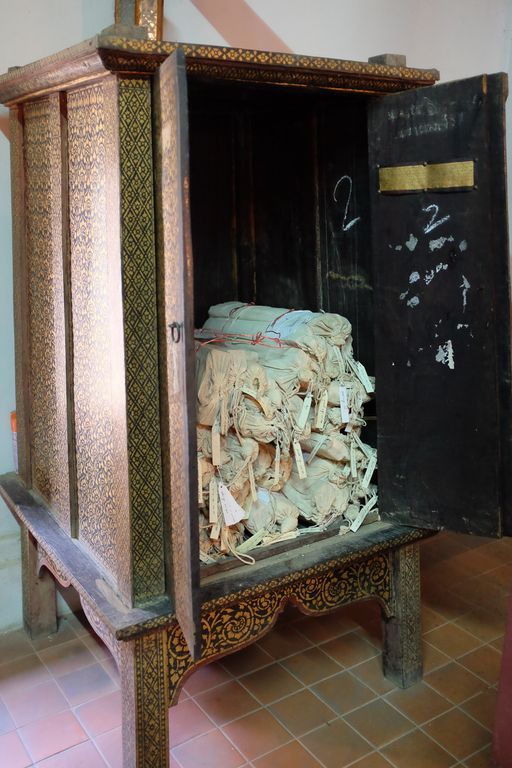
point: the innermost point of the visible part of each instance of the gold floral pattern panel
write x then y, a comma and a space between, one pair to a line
47, 337
151, 16
243, 64
145, 13
144, 675
141, 338
234, 621
98, 339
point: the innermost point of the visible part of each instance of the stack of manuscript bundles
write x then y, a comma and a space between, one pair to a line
280, 410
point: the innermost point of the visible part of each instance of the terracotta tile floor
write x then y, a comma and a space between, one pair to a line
310, 694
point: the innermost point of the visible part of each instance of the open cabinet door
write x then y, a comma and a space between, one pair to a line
441, 265
176, 335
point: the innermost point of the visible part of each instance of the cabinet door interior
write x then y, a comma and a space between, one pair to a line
174, 258
441, 298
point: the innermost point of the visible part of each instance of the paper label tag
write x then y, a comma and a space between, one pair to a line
353, 365
360, 371
213, 505
306, 407
365, 448
353, 464
251, 542
200, 496
232, 511
370, 469
339, 359
224, 539
223, 415
321, 440
321, 410
277, 464
365, 379
357, 523
299, 460
254, 494
215, 532
216, 444
345, 416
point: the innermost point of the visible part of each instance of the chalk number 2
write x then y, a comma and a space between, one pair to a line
346, 225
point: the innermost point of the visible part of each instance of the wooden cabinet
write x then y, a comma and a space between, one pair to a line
151, 180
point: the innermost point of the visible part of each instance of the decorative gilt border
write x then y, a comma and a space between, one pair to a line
406, 603
246, 56
144, 56
382, 547
140, 337
235, 621
96, 57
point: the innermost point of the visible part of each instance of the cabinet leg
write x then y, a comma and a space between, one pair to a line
402, 652
39, 593
144, 691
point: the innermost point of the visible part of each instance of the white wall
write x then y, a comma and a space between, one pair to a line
459, 37
30, 30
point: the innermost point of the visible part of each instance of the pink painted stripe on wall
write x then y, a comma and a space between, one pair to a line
239, 25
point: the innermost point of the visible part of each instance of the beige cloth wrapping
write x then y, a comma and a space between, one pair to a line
334, 446
336, 329
250, 422
236, 455
265, 468
312, 330
220, 375
255, 394
324, 492
357, 394
237, 310
335, 363
271, 511
292, 369
229, 538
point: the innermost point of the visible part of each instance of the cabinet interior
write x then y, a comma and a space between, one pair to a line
266, 164
279, 200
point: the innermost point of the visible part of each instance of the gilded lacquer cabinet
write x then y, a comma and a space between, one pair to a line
151, 180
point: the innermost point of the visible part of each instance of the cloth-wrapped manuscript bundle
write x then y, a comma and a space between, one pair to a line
280, 412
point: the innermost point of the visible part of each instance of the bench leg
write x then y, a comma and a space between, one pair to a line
39, 592
402, 652
144, 691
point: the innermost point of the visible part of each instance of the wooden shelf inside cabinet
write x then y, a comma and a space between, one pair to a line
151, 180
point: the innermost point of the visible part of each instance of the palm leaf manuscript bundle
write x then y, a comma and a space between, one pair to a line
280, 410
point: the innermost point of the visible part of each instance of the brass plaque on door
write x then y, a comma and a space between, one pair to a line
421, 177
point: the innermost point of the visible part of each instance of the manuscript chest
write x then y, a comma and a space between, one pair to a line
152, 180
